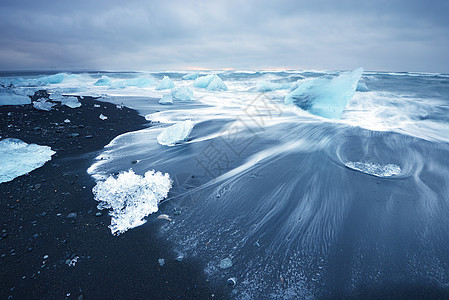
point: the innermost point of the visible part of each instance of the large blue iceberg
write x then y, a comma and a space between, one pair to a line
210, 82
165, 84
103, 81
324, 96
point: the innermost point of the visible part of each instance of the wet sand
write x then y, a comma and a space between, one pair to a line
55, 244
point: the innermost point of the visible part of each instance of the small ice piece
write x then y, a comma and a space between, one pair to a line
191, 76
267, 86
374, 169
69, 101
231, 281
175, 133
161, 262
97, 106
103, 81
18, 158
165, 84
225, 263
361, 86
167, 99
164, 217
131, 197
203, 81
66, 121
324, 96
13, 99
102, 117
183, 93
43, 105
217, 84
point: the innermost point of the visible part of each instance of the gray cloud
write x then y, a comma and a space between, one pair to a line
148, 35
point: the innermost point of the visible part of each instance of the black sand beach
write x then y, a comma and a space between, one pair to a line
55, 244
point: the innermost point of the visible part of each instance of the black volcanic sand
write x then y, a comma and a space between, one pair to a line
48, 218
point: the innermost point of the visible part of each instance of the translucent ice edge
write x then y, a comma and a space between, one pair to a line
131, 197
18, 158
175, 133
374, 169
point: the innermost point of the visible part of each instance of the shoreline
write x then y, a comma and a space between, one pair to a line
55, 243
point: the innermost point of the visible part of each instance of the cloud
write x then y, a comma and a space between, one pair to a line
142, 35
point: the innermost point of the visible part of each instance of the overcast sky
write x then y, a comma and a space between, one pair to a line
406, 35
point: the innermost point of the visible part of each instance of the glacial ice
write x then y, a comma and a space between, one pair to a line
131, 197
167, 99
191, 76
267, 86
103, 81
43, 105
52, 79
182, 93
217, 84
324, 96
18, 158
13, 99
374, 169
137, 82
361, 86
165, 84
175, 133
210, 82
69, 101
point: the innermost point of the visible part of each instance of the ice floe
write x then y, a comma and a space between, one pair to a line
175, 133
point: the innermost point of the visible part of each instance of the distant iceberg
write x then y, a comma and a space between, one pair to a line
324, 96
267, 86
210, 82
374, 169
191, 76
165, 84
175, 133
52, 79
18, 158
137, 82
13, 99
167, 99
183, 93
131, 197
103, 81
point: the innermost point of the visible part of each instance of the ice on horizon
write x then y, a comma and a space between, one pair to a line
103, 81
325, 96
165, 84
18, 158
176, 133
191, 76
131, 197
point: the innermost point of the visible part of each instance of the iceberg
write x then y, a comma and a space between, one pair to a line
70, 101
103, 81
267, 86
175, 133
203, 81
210, 82
361, 86
183, 93
131, 197
43, 105
18, 158
137, 82
324, 96
191, 76
167, 99
165, 84
52, 79
374, 169
14, 99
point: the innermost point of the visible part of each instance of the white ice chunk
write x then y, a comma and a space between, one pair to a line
175, 133
167, 99
190, 76
69, 101
165, 84
217, 84
13, 99
103, 81
266, 86
102, 117
43, 105
374, 169
324, 96
131, 197
18, 158
183, 93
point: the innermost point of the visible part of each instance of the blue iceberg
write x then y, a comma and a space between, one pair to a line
13, 99
175, 133
210, 82
165, 84
52, 79
191, 76
183, 93
167, 99
137, 82
324, 96
103, 81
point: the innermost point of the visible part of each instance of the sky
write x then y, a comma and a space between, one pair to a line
393, 35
